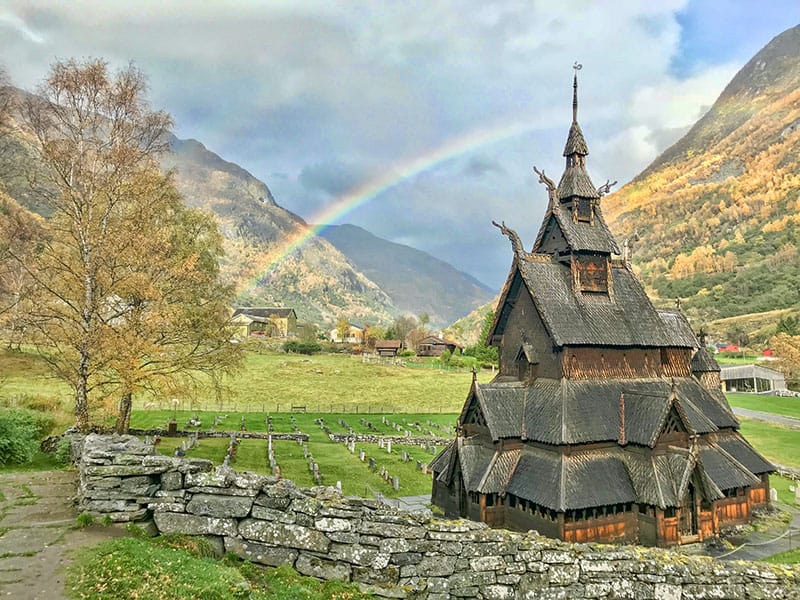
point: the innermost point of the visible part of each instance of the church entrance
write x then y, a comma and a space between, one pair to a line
689, 524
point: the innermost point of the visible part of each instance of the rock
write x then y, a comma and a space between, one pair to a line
277, 534
332, 524
171, 480
219, 506
260, 553
170, 522
321, 568
270, 514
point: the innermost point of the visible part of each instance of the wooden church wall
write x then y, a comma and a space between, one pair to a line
524, 519
525, 318
596, 363
621, 527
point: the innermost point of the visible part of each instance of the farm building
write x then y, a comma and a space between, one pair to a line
266, 321
752, 378
388, 347
436, 346
606, 421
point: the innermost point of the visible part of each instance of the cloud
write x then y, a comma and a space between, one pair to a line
17, 24
478, 166
333, 177
330, 94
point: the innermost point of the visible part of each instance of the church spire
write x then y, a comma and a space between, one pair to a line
577, 67
576, 148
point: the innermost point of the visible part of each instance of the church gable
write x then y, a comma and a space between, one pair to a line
551, 238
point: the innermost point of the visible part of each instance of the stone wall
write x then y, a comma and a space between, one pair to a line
389, 552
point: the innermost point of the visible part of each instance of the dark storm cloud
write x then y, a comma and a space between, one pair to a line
333, 177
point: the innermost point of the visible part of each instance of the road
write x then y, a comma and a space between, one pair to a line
768, 417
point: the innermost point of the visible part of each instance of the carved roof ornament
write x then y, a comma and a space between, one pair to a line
547, 182
516, 243
606, 187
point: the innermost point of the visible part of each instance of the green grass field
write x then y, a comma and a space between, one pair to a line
274, 383
776, 443
778, 405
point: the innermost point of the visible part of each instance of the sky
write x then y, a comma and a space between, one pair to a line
417, 120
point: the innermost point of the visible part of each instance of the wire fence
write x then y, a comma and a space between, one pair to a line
270, 407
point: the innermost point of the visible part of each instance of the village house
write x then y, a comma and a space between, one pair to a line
265, 321
752, 379
355, 335
436, 346
606, 421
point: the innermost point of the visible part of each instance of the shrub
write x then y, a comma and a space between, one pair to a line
302, 347
405, 353
20, 431
63, 452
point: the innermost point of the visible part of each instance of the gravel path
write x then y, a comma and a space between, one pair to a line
37, 517
768, 417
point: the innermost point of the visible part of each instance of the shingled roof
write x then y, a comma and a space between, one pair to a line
576, 143
564, 411
576, 182
600, 476
572, 319
703, 362
580, 236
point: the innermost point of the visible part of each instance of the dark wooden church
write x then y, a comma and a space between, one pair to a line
606, 421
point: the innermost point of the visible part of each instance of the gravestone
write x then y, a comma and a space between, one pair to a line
361, 455
396, 483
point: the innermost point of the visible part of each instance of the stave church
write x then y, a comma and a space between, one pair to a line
606, 421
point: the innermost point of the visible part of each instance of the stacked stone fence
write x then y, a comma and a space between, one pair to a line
164, 433
368, 438
386, 551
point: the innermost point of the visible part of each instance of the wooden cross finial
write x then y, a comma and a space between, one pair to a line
576, 67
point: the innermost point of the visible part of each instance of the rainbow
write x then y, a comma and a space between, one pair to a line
370, 190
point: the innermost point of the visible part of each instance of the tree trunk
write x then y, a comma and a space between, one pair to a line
124, 416
82, 394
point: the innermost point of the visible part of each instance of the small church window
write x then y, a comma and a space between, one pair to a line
592, 273
583, 210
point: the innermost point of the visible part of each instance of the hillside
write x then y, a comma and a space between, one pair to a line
415, 281
717, 215
316, 279
467, 330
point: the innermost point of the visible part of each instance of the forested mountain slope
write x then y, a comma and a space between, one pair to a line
717, 215
416, 282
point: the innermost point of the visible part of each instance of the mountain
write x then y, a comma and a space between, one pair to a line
715, 220
415, 281
467, 330
315, 279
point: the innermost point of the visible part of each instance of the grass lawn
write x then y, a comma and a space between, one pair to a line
790, 557
781, 484
735, 358
42, 461
335, 383
776, 443
789, 407
178, 567
335, 462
